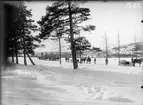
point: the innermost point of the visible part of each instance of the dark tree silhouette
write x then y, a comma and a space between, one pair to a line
20, 38
81, 44
68, 16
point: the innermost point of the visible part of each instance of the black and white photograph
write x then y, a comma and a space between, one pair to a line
71, 52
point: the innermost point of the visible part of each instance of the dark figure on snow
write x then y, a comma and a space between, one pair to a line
106, 61
83, 59
88, 60
139, 61
94, 60
67, 59
132, 60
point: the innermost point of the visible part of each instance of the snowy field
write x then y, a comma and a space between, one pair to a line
49, 83
99, 66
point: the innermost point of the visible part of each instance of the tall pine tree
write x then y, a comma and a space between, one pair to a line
21, 38
68, 16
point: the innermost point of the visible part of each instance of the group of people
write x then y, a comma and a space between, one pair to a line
85, 60
88, 60
51, 58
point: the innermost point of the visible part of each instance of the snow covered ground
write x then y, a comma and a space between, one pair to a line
49, 83
99, 66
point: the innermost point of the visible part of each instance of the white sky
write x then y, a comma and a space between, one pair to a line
107, 17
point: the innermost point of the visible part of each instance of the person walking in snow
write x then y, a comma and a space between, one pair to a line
94, 60
106, 61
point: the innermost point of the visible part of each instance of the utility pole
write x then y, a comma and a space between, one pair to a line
60, 48
106, 45
16, 49
75, 65
80, 53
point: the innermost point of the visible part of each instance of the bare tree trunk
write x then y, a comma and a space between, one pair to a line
75, 65
30, 59
16, 56
59, 38
106, 42
106, 46
16, 50
60, 49
118, 49
80, 56
80, 53
24, 51
12, 54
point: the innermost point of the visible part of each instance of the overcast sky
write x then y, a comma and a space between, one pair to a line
109, 18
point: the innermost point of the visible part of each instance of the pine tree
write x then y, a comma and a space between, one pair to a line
26, 37
21, 38
68, 16
81, 44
